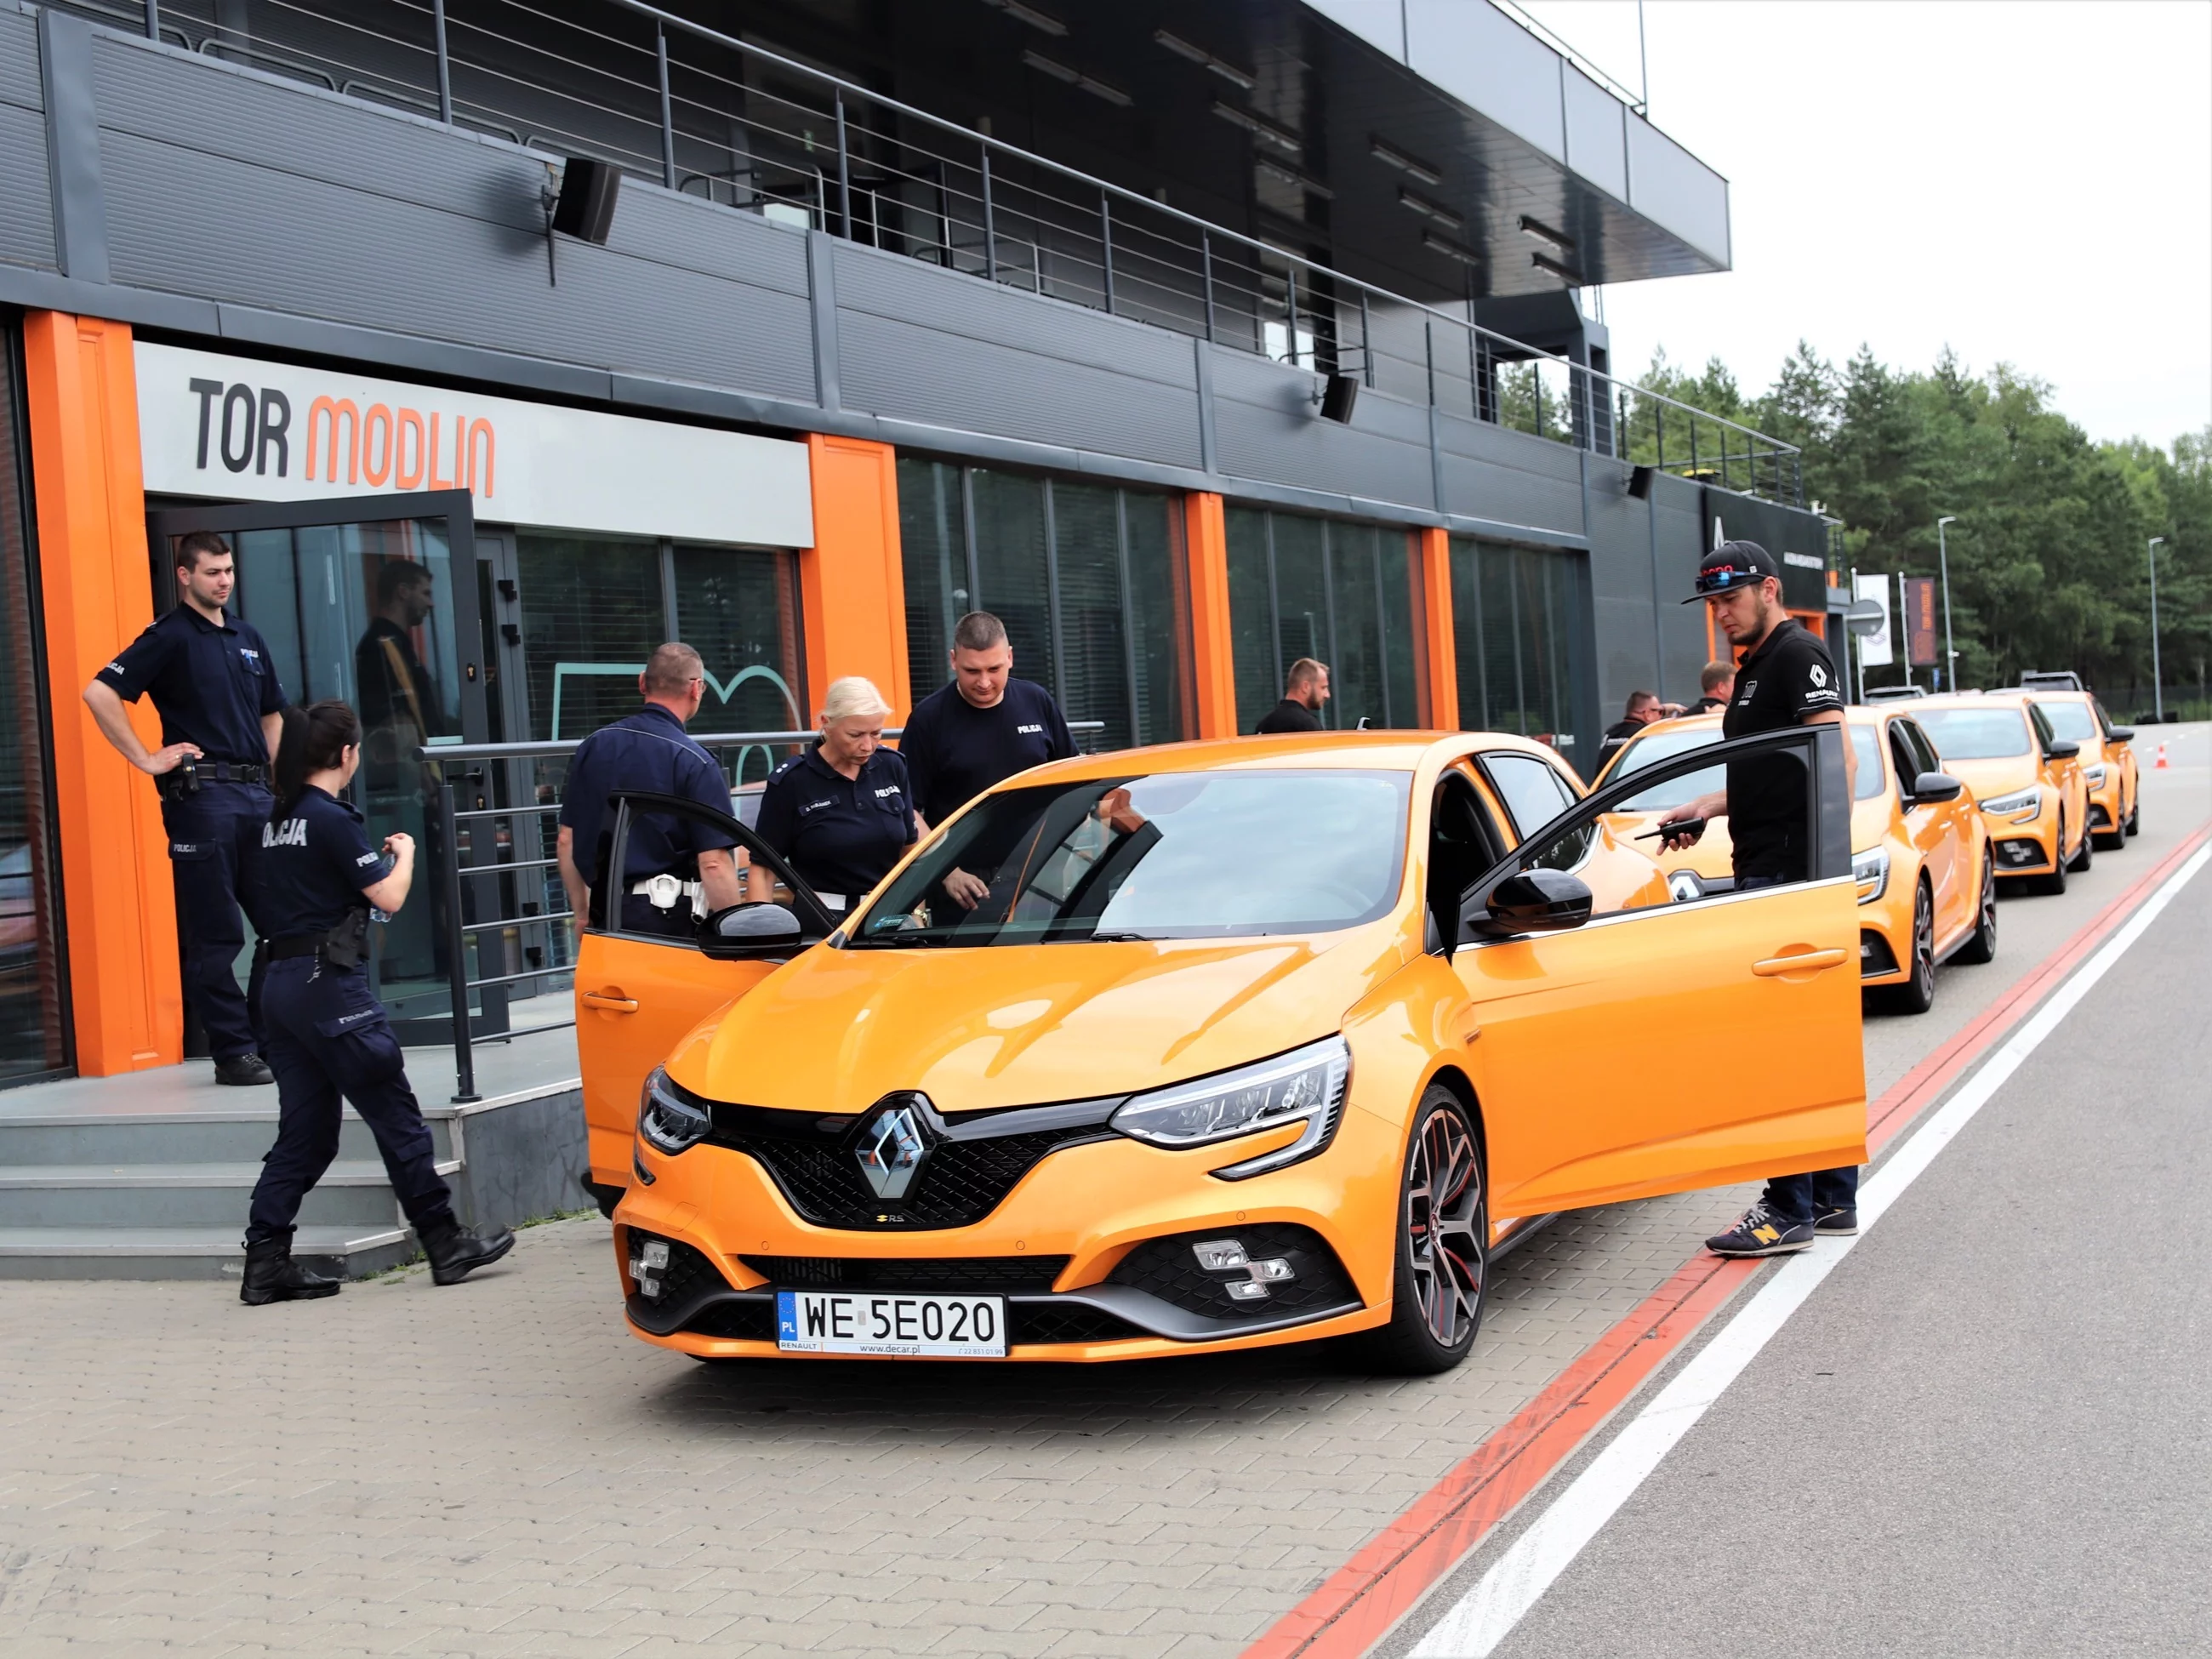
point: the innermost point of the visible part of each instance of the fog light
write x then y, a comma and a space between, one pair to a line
1220, 1256
1272, 1271
1246, 1290
646, 1266
654, 1254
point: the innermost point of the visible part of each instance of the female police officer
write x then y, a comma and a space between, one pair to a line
326, 1035
841, 813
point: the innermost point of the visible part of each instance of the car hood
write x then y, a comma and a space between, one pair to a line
835, 1030
2000, 776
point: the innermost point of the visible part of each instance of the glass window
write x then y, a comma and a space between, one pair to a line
1867, 750
2071, 721
1923, 752
1516, 621
1172, 855
33, 1032
1301, 596
1976, 734
1340, 592
1251, 611
933, 547
1011, 581
1160, 613
1086, 538
739, 608
1655, 747
593, 609
1532, 793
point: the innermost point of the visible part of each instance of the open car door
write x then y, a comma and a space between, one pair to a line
637, 994
1667, 1042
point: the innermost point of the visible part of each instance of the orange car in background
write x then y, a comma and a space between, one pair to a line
2028, 780
2107, 759
1251, 1042
1920, 857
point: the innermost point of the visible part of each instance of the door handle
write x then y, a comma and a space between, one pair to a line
611, 1001
1806, 962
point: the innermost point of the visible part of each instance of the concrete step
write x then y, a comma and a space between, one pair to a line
198, 1137
189, 1252
352, 1194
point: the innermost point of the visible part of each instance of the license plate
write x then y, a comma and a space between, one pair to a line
948, 1327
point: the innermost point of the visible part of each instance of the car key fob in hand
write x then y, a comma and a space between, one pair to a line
1691, 827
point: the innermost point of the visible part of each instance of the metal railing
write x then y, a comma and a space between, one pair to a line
737, 124
481, 897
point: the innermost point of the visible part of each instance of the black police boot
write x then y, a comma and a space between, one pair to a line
455, 1252
271, 1275
244, 1071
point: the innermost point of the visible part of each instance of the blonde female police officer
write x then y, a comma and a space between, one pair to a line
327, 1036
841, 813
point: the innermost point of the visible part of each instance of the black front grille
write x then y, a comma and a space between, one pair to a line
1031, 1322
961, 1182
751, 1320
1167, 1269
954, 1275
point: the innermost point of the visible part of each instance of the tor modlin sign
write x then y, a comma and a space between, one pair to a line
242, 428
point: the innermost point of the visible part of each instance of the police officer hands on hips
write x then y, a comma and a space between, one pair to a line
980, 730
675, 870
842, 813
327, 1036
1786, 678
213, 683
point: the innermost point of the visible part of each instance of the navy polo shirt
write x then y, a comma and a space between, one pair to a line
315, 863
954, 750
647, 750
211, 682
840, 835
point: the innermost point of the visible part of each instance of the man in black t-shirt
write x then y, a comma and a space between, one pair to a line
1305, 688
982, 728
1785, 678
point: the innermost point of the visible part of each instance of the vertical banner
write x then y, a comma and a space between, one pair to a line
1920, 621
1875, 650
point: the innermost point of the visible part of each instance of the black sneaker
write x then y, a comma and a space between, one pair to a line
244, 1071
1760, 1234
1836, 1223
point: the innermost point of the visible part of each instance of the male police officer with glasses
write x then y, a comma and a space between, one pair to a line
1785, 678
215, 684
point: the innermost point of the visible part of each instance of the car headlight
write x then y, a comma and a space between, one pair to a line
1306, 1085
668, 1118
2024, 804
1870, 870
2094, 777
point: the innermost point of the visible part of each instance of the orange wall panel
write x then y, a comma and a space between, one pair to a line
126, 1000
1433, 549
852, 585
1205, 542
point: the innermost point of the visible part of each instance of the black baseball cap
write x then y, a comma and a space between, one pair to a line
1733, 565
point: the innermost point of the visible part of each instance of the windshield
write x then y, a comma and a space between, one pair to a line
1974, 733
1172, 855
2071, 721
1866, 750
1675, 792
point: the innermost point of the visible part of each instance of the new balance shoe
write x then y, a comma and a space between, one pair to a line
1836, 1223
1761, 1233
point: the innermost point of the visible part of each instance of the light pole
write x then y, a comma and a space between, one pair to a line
2157, 693
1943, 563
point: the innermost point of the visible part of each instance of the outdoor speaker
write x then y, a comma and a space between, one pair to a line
585, 207
1337, 401
1640, 482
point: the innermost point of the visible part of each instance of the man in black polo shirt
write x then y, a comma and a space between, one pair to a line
1785, 678
982, 728
215, 684
1305, 688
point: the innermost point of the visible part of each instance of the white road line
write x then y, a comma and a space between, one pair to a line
1487, 1613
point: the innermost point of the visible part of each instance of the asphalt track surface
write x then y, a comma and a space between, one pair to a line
1985, 1432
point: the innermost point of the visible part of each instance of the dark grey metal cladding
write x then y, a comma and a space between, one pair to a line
1493, 472
918, 343
27, 195
1268, 426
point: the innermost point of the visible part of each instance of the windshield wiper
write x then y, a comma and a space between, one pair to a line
1107, 939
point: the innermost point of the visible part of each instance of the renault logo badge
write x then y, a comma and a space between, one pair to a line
891, 1150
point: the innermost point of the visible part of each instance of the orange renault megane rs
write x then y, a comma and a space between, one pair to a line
1249, 1042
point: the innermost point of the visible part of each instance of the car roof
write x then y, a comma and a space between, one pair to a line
1368, 751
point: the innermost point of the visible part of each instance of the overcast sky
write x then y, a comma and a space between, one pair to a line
2026, 182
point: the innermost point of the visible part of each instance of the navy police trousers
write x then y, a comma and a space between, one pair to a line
328, 1036
215, 852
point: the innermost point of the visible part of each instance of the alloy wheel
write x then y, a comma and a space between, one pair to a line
1924, 947
1444, 1205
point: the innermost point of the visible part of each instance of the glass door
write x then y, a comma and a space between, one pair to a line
373, 600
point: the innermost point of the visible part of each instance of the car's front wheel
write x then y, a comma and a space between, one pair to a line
2085, 854
2056, 881
1442, 1244
1981, 944
2135, 816
1917, 994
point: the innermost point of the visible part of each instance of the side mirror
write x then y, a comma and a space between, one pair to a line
2063, 749
2120, 734
744, 933
1937, 787
1535, 901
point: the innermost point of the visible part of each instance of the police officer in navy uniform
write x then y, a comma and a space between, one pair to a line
675, 870
1785, 678
328, 1035
215, 684
981, 729
842, 814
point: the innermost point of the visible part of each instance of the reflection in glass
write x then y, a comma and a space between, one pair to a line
593, 609
1086, 538
1251, 612
1010, 571
737, 607
934, 548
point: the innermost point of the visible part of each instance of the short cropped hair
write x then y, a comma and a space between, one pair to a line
851, 697
979, 630
1715, 674
1637, 699
393, 575
1304, 671
671, 669
199, 542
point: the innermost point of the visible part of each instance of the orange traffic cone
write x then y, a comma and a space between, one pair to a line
2158, 765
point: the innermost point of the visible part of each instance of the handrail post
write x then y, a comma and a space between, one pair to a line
1696, 471
1206, 276
667, 108
844, 174
1106, 245
990, 225
1366, 343
154, 27
457, 948
1291, 302
445, 63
